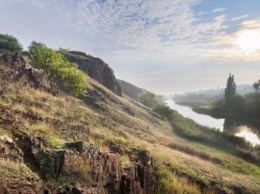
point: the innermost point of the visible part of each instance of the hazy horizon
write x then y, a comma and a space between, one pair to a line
163, 46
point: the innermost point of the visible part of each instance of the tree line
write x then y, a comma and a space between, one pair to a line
149, 100
237, 105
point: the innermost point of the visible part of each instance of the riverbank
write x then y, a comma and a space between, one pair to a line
189, 129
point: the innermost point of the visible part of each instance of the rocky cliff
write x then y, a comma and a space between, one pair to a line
95, 68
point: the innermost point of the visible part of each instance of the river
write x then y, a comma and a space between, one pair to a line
250, 134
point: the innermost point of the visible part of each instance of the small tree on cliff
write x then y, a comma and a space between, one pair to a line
230, 90
57, 67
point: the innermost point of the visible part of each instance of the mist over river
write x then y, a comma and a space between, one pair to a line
250, 134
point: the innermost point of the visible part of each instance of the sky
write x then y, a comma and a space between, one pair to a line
164, 46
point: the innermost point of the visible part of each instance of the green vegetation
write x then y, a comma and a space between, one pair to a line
256, 85
228, 105
57, 67
162, 110
149, 100
9, 43
9, 169
237, 106
187, 128
230, 90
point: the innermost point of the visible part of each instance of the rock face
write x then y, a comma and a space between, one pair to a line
25, 73
95, 68
139, 177
94, 172
9, 150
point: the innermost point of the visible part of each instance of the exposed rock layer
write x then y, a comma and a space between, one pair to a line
95, 68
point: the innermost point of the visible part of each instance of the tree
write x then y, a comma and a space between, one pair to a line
256, 85
162, 110
9, 43
57, 67
230, 90
148, 99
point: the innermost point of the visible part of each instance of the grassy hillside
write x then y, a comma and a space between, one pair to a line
121, 125
130, 90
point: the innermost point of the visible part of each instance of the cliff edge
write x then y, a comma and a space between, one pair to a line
95, 68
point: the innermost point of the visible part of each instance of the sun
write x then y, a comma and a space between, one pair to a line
248, 41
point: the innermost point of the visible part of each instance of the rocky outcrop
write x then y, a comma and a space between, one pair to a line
82, 167
9, 150
138, 177
89, 171
24, 73
95, 68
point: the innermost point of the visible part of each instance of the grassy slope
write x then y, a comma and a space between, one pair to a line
111, 122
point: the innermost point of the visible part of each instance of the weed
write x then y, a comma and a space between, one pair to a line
10, 169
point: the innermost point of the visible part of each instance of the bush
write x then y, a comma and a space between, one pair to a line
147, 99
9, 43
162, 110
57, 67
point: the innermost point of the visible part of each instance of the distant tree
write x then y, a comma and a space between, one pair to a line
148, 99
256, 85
9, 43
162, 110
56, 66
230, 90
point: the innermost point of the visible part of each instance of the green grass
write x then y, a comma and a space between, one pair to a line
188, 129
56, 183
174, 180
11, 169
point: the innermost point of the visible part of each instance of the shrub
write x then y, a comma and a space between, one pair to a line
9, 43
57, 67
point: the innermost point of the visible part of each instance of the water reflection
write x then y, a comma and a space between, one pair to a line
248, 136
240, 128
201, 119
243, 129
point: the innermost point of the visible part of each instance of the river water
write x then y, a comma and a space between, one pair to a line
249, 133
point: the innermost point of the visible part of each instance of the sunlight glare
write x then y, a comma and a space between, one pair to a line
248, 41
249, 136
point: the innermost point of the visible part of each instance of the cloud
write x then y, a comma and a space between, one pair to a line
146, 25
251, 24
219, 9
239, 17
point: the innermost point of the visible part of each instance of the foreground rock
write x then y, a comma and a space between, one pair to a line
90, 171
